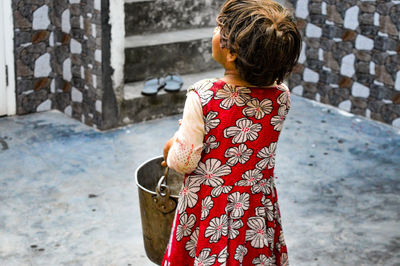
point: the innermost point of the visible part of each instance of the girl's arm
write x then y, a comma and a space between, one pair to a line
185, 147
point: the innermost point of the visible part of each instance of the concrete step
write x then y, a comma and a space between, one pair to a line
183, 52
150, 16
136, 108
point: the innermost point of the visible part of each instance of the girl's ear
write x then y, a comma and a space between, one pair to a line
231, 57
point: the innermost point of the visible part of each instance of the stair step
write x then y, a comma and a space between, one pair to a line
151, 16
168, 37
132, 90
137, 1
184, 52
136, 108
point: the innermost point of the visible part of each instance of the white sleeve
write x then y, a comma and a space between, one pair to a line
185, 152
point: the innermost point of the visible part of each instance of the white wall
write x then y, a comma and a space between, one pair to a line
7, 48
117, 21
3, 91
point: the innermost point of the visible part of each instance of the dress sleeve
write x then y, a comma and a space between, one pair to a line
185, 152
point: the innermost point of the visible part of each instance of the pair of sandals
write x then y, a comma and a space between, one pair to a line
170, 83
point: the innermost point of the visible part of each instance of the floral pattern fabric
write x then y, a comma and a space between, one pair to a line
228, 212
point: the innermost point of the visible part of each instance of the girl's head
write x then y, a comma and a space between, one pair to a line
263, 38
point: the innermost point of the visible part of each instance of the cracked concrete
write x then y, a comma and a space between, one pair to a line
68, 197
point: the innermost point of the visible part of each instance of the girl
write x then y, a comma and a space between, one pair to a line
228, 212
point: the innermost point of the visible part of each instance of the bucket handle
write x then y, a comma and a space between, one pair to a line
162, 199
162, 188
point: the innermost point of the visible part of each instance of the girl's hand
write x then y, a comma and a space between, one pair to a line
167, 147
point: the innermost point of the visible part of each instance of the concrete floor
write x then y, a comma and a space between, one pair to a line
68, 196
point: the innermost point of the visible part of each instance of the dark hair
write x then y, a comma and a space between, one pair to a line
264, 37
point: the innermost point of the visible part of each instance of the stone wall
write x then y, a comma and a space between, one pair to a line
59, 57
350, 56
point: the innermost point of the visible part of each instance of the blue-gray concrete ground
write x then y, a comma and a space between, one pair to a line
68, 196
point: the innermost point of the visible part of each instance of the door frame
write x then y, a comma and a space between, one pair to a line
8, 35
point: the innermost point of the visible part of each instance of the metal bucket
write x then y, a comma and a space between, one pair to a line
158, 197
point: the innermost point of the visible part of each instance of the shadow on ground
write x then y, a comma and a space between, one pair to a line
68, 197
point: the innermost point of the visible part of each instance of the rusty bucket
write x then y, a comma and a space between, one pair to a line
158, 197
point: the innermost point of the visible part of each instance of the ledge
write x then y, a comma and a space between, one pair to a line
168, 37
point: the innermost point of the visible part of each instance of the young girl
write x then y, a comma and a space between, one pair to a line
228, 212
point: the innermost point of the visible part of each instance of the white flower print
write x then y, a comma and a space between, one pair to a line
264, 261
209, 173
188, 196
281, 242
270, 237
210, 143
185, 225
250, 178
284, 259
207, 205
258, 109
277, 121
215, 192
268, 157
277, 213
243, 131
238, 203
260, 211
192, 243
264, 186
206, 96
278, 246
257, 232
282, 239
232, 95
211, 121
204, 258
269, 208
233, 228
218, 227
223, 256
203, 88
239, 154
273, 260
271, 185
241, 251
284, 98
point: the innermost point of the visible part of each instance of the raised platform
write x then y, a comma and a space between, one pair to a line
185, 51
136, 107
169, 37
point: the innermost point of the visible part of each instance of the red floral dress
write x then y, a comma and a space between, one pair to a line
228, 212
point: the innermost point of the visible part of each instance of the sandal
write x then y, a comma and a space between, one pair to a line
173, 83
152, 86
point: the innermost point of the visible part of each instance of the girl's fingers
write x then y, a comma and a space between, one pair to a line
166, 149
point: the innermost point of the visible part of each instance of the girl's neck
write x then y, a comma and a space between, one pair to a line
233, 77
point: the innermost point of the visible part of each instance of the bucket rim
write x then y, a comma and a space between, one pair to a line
136, 174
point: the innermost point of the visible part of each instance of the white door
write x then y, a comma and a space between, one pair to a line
7, 83
3, 78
